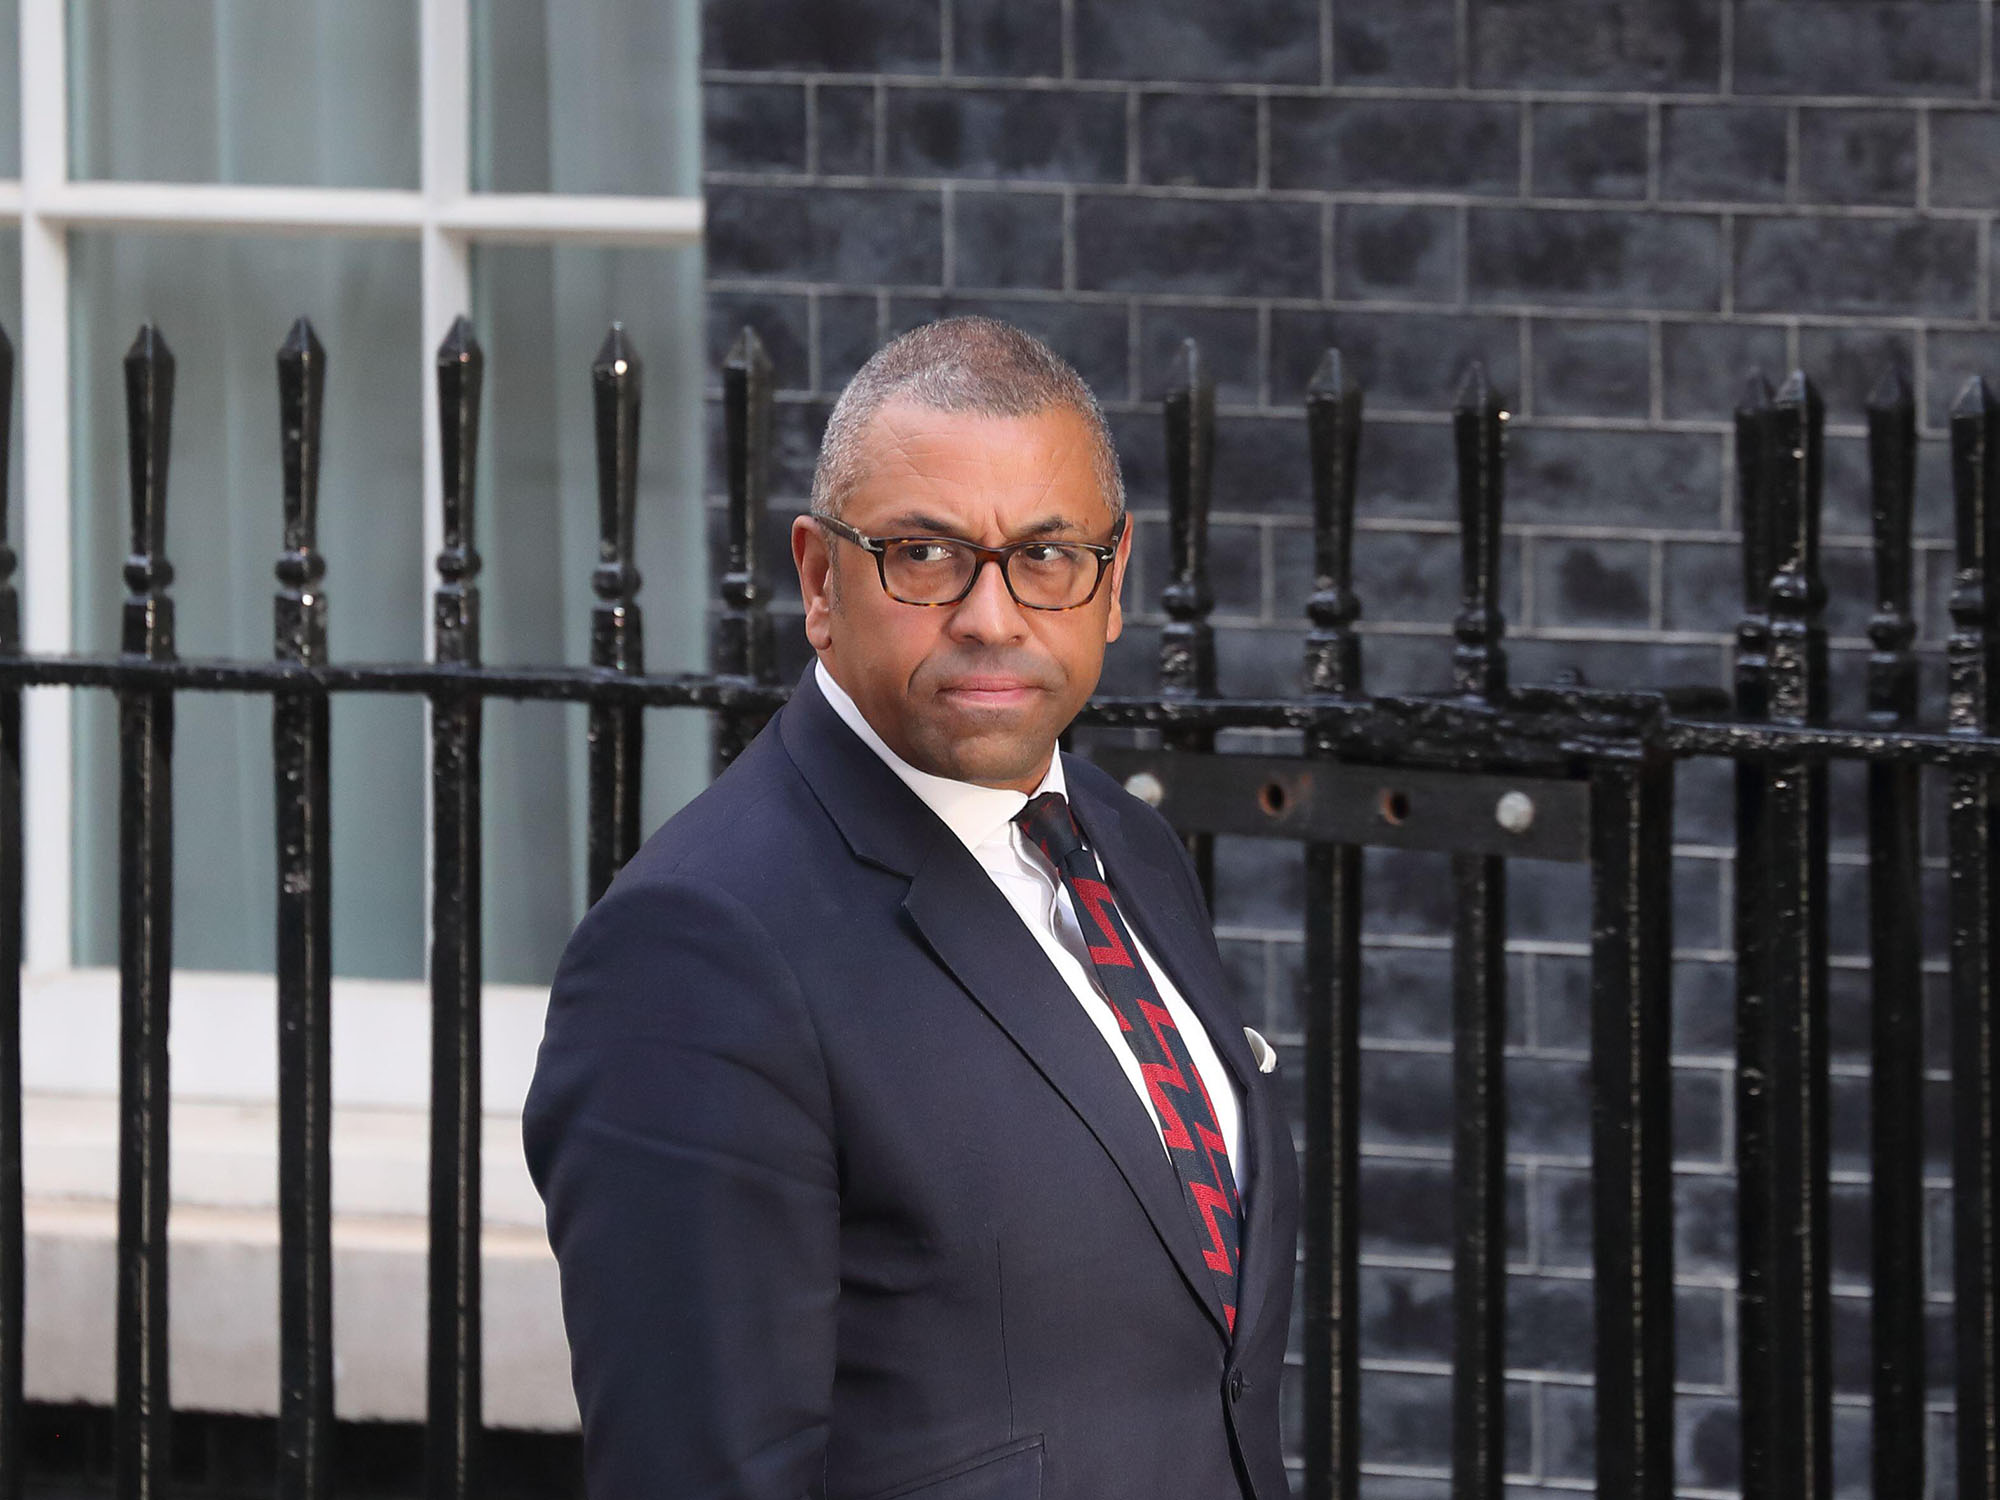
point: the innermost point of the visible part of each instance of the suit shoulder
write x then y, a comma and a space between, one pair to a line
759, 814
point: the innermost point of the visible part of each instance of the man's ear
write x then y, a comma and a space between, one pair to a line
1114, 623
814, 561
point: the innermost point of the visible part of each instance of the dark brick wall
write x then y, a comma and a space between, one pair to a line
1621, 207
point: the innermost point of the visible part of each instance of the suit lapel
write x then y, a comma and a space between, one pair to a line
1152, 900
970, 926
981, 940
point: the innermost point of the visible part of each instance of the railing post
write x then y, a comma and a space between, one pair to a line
1333, 427
743, 640
300, 746
143, 1424
1974, 824
1756, 1186
1631, 1097
1187, 641
1332, 976
453, 1433
1895, 964
1479, 429
1794, 1369
12, 1229
1479, 990
617, 635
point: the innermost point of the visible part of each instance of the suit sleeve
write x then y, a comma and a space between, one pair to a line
679, 1128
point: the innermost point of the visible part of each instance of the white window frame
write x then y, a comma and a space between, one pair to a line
445, 215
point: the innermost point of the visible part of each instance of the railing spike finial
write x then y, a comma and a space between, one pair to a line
461, 366
149, 406
744, 644
1479, 662
1797, 591
1753, 492
1187, 643
10, 599
617, 382
1892, 463
1333, 427
1187, 640
1974, 648
617, 638
301, 605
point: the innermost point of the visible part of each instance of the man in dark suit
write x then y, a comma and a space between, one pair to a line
898, 1133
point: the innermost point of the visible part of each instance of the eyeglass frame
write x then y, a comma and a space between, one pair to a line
1104, 552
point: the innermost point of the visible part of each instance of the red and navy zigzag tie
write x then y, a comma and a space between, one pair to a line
1187, 1117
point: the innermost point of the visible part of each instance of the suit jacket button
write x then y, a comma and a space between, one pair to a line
1237, 1385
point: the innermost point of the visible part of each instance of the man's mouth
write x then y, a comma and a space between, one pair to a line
988, 691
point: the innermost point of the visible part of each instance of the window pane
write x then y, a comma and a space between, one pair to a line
223, 306
10, 88
315, 93
543, 313
572, 98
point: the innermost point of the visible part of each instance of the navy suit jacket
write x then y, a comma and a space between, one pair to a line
851, 1200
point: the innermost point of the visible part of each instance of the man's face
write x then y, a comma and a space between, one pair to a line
978, 690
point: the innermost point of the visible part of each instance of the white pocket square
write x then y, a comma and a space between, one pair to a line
1263, 1051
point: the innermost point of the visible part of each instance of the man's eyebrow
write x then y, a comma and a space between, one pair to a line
922, 523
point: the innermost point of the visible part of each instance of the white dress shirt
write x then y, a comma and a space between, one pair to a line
983, 819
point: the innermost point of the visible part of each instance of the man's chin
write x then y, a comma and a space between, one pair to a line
992, 759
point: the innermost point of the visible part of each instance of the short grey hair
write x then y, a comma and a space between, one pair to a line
980, 366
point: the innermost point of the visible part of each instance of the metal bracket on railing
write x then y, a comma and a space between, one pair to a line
1290, 797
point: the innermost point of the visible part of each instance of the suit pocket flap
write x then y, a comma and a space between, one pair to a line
1010, 1473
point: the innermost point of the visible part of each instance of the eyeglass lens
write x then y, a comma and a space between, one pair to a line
1043, 575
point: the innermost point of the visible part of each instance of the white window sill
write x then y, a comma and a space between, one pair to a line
223, 1226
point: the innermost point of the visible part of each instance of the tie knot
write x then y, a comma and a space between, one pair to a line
1047, 822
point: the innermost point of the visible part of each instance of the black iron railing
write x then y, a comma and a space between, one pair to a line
1488, 772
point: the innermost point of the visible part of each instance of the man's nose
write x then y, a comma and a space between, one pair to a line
989, 612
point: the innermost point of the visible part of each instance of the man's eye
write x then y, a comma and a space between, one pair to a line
922, 553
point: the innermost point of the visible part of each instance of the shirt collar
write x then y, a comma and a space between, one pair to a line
972, 812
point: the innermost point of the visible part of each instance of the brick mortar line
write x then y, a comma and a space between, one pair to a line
1297, 528
1263, 143
1793, 165
1525, 147
1653, 152
948, 236
1985, 270
1986, 49
812, 130
1640, 208
1726, 265
1923, 161
1341, 93
1134, 167
1329, 260
1725, 82
880, 139
1865, 322
1135, 357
